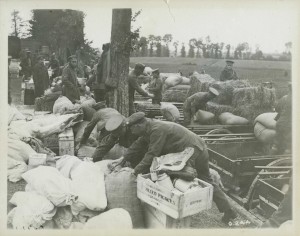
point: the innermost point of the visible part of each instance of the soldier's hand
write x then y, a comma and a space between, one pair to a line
150, 95
77, 148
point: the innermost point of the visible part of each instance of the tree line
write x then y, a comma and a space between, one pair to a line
159, 46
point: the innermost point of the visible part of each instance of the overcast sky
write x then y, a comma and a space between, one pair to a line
269, 26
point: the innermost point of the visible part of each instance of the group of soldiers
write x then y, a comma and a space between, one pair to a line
144, 138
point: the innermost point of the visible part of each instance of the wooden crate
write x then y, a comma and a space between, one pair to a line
155, 218
66, 142
175, 204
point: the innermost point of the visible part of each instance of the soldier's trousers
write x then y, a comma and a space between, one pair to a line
202, 167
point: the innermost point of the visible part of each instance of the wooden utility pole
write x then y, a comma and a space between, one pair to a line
120, 52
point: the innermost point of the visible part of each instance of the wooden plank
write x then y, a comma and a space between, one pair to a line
273, 167
243, 212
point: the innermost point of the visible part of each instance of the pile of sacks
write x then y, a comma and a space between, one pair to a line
77, 194
25, 135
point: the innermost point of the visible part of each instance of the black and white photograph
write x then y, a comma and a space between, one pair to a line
160, 114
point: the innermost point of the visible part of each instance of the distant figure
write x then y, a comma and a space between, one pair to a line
54, 65
228, 73
103, 72
26, 65
195, 102
40, 77
155, 87
69, 80
133, 86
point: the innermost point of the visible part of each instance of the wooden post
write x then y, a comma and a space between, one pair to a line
120, 52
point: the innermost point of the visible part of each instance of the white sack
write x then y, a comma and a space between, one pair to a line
49, 182
32, 210
15, 169
88, 184
66, 164
19, 151
117, 218
267, 120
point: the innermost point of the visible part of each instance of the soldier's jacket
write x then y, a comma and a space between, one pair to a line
110, 140
162, 137
228, 74
101, 116
155, 87
70, 83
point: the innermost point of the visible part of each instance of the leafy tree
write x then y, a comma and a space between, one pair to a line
144, 46
221, 49
167, 38
240, 48
62, 30
151, 40
158, 45
192, 43
175, 44
228, 46
288, 47
135, 35
198, 46
183, 53
18, 25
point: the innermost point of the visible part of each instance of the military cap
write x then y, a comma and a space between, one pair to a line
72, 57
229, 62
139, 66
155, 71
114, 122
213, 91
135, 118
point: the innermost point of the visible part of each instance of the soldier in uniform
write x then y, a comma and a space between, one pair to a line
155, 87
195, 102
119, 133
133, 86
69, 80
157, 138
228, 73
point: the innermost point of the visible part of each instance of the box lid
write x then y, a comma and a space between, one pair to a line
66, 134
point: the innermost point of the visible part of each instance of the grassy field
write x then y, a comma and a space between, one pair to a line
254, 71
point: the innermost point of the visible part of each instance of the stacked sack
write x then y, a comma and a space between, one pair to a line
265, 127
73, 196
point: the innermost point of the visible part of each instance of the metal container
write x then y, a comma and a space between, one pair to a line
183, 185
165, 181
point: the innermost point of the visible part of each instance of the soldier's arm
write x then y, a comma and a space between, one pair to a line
157, 142
136, 151
89, 128
106, 144
134, 84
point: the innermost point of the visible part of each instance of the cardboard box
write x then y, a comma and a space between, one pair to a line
66, 142
174, 203
155, 219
